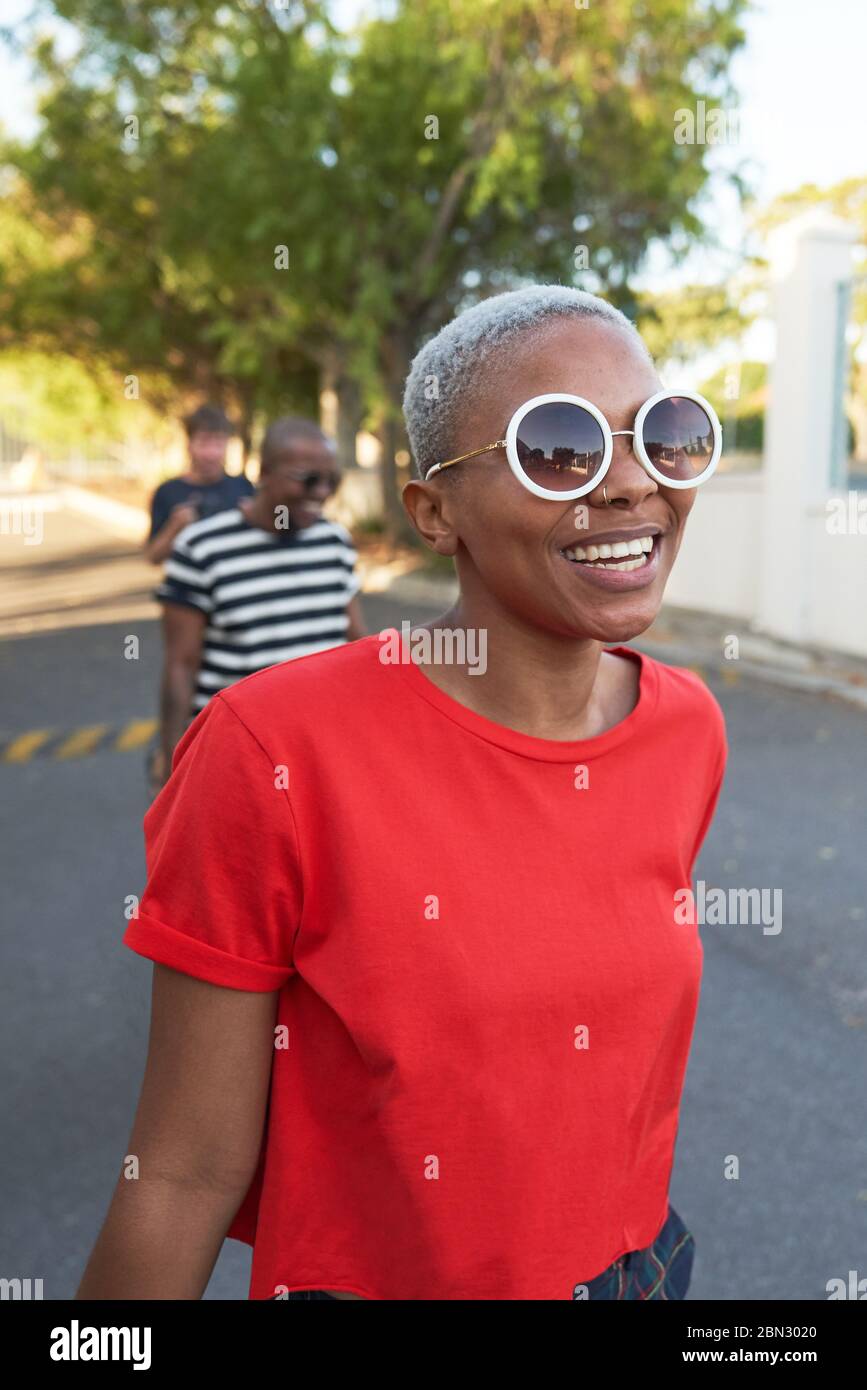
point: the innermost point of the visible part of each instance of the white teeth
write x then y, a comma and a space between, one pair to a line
623, 565
617, 551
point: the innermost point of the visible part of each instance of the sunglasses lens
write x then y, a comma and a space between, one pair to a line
678, 437
560, 446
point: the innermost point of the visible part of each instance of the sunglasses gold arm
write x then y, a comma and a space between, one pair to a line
500, 444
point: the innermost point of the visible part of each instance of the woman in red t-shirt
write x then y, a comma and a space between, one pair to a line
424, 988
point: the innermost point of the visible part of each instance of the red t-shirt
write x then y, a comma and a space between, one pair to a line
488, 999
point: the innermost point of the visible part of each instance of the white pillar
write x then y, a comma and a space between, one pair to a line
809, 258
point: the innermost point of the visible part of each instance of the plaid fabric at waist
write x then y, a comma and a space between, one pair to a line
660, 1271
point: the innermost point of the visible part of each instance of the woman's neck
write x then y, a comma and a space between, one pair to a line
542, 683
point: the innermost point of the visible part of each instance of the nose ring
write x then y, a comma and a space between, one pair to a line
605, 495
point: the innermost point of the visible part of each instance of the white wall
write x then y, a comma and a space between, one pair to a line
759, 546
717, 569
836, 612
721, 561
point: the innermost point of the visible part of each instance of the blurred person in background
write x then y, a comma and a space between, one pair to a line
205, 489
265, 581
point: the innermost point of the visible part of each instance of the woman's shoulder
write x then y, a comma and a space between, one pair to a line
684, 695
309, 688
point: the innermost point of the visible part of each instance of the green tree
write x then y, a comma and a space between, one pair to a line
679, 324
445, 151
739, 393
554, 136
144, 178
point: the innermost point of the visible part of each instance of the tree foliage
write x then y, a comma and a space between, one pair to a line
241, 198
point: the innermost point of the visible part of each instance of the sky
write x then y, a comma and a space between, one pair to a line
802, 115
801, 79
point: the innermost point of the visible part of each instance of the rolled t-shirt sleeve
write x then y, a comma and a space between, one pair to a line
223, 895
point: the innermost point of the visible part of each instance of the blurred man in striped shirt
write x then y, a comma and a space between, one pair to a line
266, 581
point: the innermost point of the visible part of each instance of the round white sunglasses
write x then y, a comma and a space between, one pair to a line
560, 446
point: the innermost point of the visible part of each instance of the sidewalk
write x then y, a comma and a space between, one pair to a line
680, 637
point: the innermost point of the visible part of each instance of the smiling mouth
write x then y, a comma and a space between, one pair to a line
624, 556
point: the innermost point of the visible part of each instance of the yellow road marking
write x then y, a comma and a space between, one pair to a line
22, 748
82, 741
133, 735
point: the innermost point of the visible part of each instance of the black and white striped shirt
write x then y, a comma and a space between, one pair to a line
269, 596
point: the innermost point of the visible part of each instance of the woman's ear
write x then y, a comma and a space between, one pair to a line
431, 510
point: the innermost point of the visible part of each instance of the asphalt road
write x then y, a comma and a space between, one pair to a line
779, 1061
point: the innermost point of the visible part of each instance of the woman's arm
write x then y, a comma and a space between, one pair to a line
197, 1136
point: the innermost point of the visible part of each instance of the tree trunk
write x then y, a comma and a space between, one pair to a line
246, 394
349, 414
328, 378
395, 359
